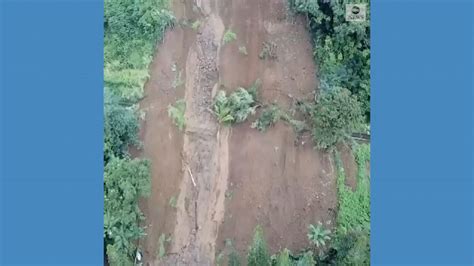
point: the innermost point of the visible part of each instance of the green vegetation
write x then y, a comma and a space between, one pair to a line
283, 259
229, 36
318, 235
196, 24
125, 181
233, 258
352, 241
268, 118
243, 50
176, 113
131, 30
161, 246
172, 202
120, 127
354, 206
342, 48
258, 252
336, 115
235, 108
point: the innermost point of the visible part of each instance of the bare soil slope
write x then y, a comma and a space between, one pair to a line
227, 180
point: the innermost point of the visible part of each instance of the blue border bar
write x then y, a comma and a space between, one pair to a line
422, 132
52, 127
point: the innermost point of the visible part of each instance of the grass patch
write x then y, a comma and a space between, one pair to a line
176, 113
229, 36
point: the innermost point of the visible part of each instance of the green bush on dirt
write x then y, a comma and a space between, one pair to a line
336, 115
229, 36
270, 115
125, 181
258, 252
234, 108
176, 113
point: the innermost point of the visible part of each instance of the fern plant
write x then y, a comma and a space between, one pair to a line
318, 235
176, 113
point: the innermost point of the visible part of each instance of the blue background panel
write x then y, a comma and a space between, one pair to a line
52, 127
422, 132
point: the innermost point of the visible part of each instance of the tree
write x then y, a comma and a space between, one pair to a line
336, 115
258, 253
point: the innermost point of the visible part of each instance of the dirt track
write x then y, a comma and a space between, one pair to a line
243, 177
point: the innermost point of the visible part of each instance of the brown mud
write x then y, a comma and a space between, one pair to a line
225, 181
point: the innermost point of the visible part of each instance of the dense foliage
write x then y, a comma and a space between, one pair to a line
342, 48
336, 115
131, 31
120, 127
125, 180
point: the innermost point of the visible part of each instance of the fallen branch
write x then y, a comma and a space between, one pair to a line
191, 175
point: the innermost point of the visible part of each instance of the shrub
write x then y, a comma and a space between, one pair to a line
176, 113
336, 115
235, 108
229, 36
318, 235
268, 118
258, 253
